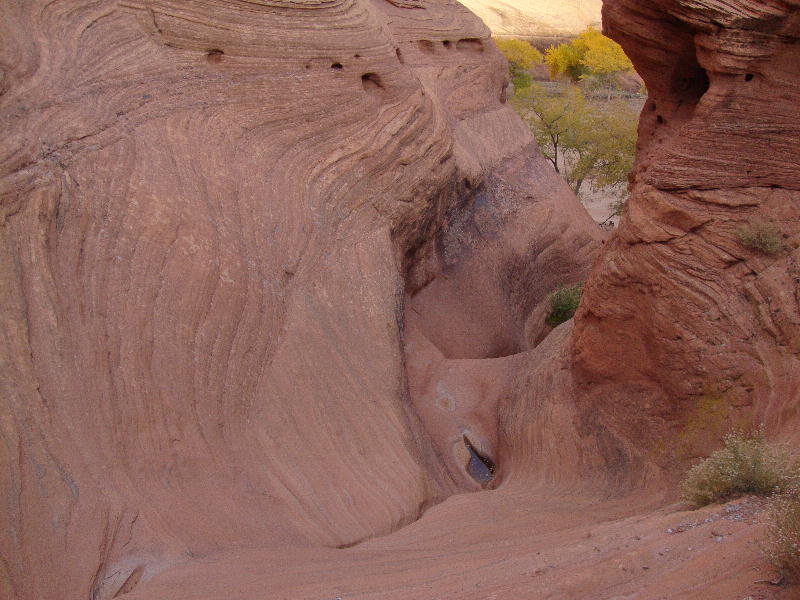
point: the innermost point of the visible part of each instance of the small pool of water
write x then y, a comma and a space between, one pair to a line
481, 468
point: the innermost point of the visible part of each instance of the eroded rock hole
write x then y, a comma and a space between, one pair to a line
447, 44
371, 82
481, 468
694, 87
470, 45
337, 66
704, 84
748, 77
660, 119
426, 46
400, 55
214, 55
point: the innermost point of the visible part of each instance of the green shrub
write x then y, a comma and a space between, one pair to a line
563, 303
746, 465
519, 77
760, 236
783, 534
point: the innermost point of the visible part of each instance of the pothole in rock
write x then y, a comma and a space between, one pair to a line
480, 467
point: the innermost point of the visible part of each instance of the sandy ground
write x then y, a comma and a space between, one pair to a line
532, 549
599, 205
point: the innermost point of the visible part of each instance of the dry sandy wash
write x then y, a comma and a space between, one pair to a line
274, 276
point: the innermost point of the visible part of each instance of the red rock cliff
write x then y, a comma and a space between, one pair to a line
678, 310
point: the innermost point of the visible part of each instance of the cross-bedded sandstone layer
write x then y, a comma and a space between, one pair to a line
214, 217
274, 277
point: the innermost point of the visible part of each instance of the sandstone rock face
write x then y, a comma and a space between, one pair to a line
215, 218
274, 277
539, 20
695, 316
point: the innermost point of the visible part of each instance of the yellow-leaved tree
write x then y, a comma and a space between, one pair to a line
521, 57
591, 56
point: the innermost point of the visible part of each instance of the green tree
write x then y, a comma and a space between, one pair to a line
558, 122
585, 142
521, 57
612, 143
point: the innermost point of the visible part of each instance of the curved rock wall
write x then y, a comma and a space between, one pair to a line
209, 213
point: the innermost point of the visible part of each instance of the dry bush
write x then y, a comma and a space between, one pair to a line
764, 237
783, 535
745, 465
